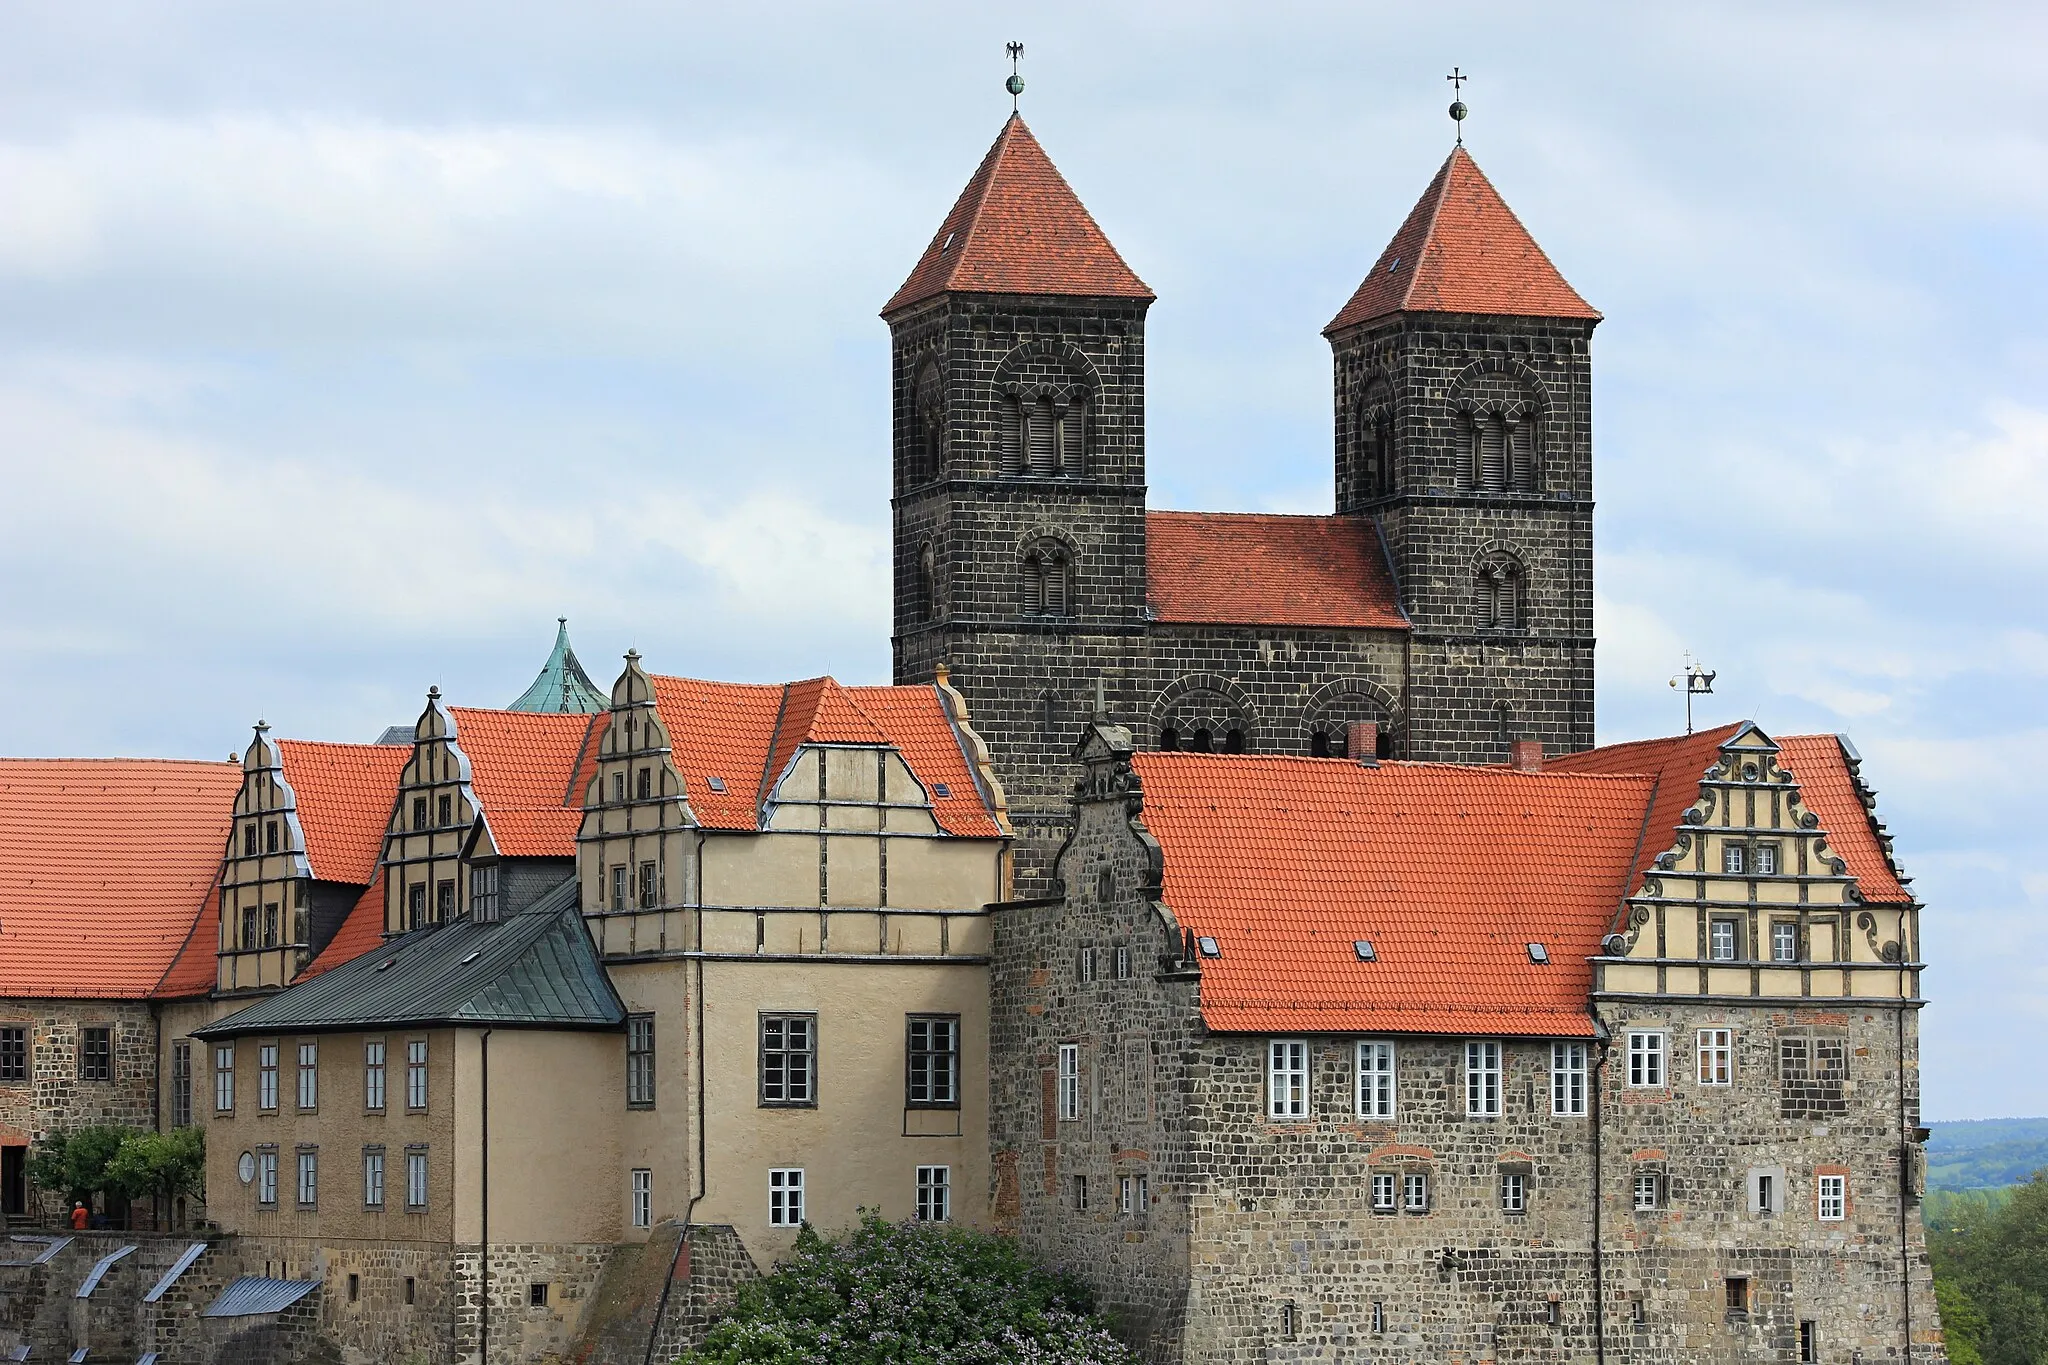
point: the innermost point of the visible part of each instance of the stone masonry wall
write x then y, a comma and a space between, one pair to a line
55, 1098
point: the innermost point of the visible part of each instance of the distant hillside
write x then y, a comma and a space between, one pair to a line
1981, 1154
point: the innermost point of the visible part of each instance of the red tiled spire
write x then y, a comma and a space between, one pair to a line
1018, 228
1462, 250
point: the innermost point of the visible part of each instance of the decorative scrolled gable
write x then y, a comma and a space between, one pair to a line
1109, 840
1752, 897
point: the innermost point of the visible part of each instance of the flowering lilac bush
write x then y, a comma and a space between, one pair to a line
910, 1294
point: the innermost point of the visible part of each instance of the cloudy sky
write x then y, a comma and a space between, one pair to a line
343, 346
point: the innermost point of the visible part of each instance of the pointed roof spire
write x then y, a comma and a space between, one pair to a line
1462, 250
562, 686
1018, 228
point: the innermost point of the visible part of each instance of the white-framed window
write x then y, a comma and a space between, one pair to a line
1833, 1198
1645, 1059
1079, 1184
373, 1177
1415, 1192
619, 884
416, 1073
785, 1197
373, 1074
1648, 1186
1724, 940
1732, 859
1383, 1192
1286, 1078
1375, 1080
416, 1178
1123, 963
934, 1194
1766, 860
1087, 965
309, 1179
1127, 1195
643, 1198
1784, 941
1568, 1080
1068, 1079
1716, 1048
309, 1075
483, 893
224, 1078
266, 1076
266, 1177
1514, 1192
1482, 1079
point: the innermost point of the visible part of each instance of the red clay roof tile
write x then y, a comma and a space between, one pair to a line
343, 793
1831, 791
1462, 250
1448, 871
1228, 568
196, 967
521, 766
1018, 228
108, 927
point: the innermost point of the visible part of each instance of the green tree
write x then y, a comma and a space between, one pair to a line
1991, 1261
75, 1164
910, 1294
165, 1165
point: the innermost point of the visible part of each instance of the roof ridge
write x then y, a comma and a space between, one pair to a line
115, 758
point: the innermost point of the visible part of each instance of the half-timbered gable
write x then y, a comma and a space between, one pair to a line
422, 862
308, 823
1772, 882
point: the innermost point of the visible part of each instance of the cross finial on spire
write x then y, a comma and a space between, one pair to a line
1015, 85
1457, 78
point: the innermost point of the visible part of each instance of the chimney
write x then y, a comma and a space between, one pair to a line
1362, 740
1526, 755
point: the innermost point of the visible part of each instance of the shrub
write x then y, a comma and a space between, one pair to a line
910, 1294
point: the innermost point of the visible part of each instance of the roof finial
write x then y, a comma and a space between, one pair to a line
1457, 79
1698, 683
1015, 85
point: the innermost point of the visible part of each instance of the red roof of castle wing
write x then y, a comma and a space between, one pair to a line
1832, 792
107, 926
1677, 762
1449, 872
196, 967
362, 931
745, 734
1018, 229
1462, 250
522, 766
1226, 568
344, 794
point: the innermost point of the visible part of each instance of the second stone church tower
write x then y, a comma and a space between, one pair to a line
1444, 611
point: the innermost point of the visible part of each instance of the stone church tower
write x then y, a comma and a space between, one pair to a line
1442, 612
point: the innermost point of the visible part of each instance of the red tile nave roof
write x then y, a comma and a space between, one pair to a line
105, 866
1233, 568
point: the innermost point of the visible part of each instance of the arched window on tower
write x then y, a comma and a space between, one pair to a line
1047, 570
1497, 449
1375, 473
927, 582
1045, 434
1499, 595
928, 425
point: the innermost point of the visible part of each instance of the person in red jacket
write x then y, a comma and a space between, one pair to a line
79, 1217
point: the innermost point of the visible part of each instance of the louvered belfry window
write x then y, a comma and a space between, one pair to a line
1013, 437
1522, 454
1044, 589
1042, 442
1492, 453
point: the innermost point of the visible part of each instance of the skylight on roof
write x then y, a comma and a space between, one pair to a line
1365, 951
941, 790
387, 964
947, 245
716, 784
471, 958
1393, 265
1539, 954
1209, 946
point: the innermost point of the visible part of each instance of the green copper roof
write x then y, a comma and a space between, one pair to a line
562, 684
535, 969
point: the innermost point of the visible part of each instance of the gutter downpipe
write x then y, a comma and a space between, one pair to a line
1599, 1169
683, 1237
484, 1251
